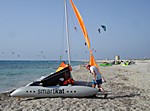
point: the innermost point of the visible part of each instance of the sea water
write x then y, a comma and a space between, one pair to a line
14, 74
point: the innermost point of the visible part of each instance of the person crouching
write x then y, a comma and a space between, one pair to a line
97, 78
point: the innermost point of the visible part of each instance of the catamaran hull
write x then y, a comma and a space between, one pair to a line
54, 91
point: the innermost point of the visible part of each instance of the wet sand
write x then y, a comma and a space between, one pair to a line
128, 89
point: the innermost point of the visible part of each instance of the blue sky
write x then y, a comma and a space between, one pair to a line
35, 29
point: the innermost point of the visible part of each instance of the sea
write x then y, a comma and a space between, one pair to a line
15, 74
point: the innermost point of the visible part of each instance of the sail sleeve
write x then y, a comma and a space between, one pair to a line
80, 20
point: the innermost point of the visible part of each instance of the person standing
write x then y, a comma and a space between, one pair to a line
97, 78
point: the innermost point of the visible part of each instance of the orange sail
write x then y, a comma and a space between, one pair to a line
79, 18
92, 60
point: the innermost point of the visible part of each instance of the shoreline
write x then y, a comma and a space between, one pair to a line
127, 88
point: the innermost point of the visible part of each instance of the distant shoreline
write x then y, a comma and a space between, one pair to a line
71, 60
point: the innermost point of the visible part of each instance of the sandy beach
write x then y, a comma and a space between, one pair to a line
128, 89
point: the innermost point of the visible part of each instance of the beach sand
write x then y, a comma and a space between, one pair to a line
128, 89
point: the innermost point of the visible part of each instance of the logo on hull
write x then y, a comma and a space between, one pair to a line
51, 91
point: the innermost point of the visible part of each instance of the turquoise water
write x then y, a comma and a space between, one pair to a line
14, 74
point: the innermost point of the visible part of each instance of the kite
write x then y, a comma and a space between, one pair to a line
104, 27
99, 30
60, 57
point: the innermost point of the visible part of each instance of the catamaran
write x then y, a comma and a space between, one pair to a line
60, 83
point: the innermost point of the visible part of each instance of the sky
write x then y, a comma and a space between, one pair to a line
35, 29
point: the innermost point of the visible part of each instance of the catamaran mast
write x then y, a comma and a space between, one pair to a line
67, 32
